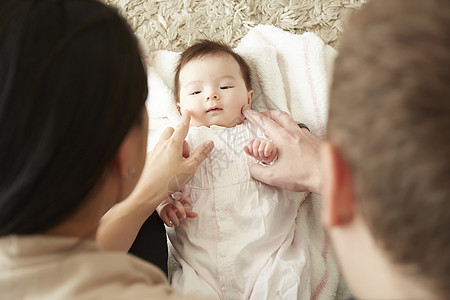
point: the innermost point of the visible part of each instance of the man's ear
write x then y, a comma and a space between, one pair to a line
249, 97
339, 202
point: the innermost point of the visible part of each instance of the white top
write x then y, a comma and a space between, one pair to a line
46, 267
244, 243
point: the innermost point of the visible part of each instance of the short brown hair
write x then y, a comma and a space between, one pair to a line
204, 48
390, 119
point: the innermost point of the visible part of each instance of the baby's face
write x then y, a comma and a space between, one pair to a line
213, 90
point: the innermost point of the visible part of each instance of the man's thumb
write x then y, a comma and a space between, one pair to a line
262, 173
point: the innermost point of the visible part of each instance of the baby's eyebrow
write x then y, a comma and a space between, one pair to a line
192, 83
227, 77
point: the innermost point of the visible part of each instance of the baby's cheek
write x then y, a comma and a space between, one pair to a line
192, 109
196, 119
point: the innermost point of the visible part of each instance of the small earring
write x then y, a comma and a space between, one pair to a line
131, 172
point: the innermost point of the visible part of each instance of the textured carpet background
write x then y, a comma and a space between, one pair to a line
176, 24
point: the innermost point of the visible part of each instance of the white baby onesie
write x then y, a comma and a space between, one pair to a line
244, 244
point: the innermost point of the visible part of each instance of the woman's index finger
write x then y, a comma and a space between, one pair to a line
182, 128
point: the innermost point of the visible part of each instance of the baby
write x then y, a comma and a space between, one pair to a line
239, 241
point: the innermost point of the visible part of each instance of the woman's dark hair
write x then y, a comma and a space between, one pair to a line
72, 84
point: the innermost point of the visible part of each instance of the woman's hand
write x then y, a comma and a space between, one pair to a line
169, 166
298, 165
167, 169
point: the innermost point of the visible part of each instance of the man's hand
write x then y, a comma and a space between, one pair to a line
298, 165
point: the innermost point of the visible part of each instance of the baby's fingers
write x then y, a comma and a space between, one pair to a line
269, 149
166, 220
270, 159
180, 211
256, 145
191, 214
173, 217
247, 150
187, 200
261, 149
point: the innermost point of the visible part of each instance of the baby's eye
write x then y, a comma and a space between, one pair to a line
226, 87
195, 93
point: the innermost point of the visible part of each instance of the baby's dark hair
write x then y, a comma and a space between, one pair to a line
205, 48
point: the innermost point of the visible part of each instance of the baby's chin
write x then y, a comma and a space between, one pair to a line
222, 123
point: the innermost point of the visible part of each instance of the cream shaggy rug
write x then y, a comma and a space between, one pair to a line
174, 25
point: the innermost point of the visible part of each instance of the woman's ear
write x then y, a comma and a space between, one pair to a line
249, 97
122, 159
339, 202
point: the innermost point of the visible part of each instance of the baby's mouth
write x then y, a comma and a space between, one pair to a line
214, 109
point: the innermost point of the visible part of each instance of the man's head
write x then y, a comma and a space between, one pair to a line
389, 131
213, 83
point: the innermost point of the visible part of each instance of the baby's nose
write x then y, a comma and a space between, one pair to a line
212, 97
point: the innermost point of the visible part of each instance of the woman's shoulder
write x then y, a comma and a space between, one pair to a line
70, 269
120, 276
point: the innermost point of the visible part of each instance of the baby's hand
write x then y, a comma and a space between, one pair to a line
262, 150
172, 211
